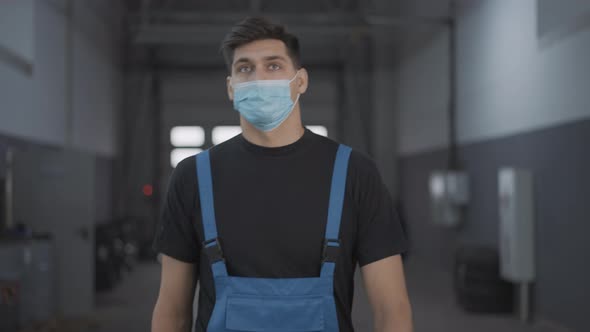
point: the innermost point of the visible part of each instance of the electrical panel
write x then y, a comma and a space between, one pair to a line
449, 192
517, 250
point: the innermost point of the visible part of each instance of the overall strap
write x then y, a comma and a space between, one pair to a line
332, 242
211, 245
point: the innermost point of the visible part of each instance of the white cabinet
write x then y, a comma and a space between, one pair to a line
517, 250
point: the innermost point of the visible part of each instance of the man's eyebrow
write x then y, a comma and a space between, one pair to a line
266, 58
274, 57
241, 60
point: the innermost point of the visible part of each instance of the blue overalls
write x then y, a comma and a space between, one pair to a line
273, 304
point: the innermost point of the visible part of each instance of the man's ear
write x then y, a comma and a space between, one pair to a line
230, 89
302, 81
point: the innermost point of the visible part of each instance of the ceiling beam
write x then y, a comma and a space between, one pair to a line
199, 34
230, 17
175, 27
319, 18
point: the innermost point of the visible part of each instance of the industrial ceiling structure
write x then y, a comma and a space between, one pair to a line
187, 33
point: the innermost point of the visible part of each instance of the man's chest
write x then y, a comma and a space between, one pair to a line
271, 214
276, 227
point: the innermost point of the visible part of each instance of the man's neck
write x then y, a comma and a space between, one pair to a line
287, 133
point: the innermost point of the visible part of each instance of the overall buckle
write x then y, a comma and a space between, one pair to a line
213, 252
331, 250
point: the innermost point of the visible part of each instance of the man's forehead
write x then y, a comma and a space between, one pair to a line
260, 49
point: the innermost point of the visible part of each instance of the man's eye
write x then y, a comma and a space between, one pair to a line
244, 69
274, 67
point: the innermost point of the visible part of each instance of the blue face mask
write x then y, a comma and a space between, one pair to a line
264, 103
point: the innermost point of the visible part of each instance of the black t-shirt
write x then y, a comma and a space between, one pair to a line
271, 206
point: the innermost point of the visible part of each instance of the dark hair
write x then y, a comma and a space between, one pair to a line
258, 28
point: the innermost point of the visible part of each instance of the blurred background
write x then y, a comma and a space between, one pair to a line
477, 113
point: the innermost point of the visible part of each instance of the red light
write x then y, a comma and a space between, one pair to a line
148, 190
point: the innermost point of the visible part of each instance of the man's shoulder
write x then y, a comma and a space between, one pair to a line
188, 164
360, 163
184, 174
362, 167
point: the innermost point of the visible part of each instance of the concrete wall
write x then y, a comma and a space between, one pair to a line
16, 31
510, 84
522, 101
60, 118
71, 97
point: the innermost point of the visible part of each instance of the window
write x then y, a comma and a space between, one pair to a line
177, 155
223, 133
187, 136
190, 140
187, 141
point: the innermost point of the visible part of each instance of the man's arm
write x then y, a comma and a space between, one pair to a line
386, 288
173, 310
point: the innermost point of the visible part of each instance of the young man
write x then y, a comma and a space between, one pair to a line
274, 221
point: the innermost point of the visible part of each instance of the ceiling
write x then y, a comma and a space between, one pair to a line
246, 5
181, 33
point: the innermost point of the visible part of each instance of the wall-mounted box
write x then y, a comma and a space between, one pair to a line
517, 250
449, 192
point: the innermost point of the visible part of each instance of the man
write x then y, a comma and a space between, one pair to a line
274, 221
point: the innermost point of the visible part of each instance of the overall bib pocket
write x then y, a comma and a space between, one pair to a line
293, 314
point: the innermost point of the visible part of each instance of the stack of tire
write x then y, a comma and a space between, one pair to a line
479, 287
117, 245
107, 257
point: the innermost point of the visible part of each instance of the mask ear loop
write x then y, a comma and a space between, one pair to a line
294, 77
296, 100
298, 95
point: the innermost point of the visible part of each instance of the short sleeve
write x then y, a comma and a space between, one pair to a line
176, 235
379, 232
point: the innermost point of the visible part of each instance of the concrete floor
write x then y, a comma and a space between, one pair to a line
129, 306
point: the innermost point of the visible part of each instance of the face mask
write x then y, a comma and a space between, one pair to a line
264, 103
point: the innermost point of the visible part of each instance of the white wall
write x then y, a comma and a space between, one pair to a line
509, 80
16, 28
556, 17
71, 98
423, 97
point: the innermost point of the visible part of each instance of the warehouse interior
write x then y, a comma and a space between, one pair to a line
476, 113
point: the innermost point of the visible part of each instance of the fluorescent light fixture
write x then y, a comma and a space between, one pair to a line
187, 136
177, 155
221, 134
